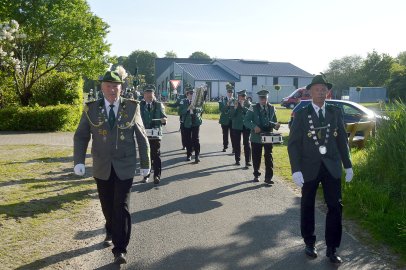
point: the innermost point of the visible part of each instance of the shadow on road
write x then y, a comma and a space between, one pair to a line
195, 204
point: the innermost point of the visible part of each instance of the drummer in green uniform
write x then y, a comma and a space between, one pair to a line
153, 116
191, 118
260, 118
225, 105
238, 112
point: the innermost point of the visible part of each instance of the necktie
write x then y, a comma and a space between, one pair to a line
112, 117
149, 107
321, 117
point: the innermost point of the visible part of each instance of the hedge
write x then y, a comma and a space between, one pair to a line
51, 118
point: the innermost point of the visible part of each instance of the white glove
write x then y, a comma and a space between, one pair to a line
79, 169
349, 174
298, 179
145, 172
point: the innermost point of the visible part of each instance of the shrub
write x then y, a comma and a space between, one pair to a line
50, 118
58, 88
377, 196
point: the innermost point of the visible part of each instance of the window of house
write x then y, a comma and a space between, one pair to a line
275, 80
296, 82
254, 80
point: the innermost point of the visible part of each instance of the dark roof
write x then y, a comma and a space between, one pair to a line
161, 64
207, 72
276, 69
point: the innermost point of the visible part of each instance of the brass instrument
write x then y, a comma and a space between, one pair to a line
198, 97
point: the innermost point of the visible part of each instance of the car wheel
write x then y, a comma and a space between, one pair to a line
291, 106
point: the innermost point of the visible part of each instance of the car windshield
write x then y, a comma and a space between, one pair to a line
293, 93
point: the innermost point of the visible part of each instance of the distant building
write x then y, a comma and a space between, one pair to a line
244, 74
367, 94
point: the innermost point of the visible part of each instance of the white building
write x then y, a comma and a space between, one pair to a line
244, 74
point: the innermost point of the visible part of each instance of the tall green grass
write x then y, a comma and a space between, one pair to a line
377, 196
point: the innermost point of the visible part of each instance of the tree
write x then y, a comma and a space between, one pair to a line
62, 35
144, 62
199, 55
402, 58
344, 72
375, 70
119, 61
171, 54
397, 82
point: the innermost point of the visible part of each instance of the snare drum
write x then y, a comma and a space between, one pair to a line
154, 133
270, 137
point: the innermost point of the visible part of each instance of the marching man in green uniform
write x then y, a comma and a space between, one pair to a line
113, 123
191, 119
318, 145
153, 116
238, 112
225, 105
260, 118
182, 127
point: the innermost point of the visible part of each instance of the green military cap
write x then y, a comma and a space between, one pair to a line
320, 79
242, 92
229, 87
263, 93
188, 88
112, 76
149, 88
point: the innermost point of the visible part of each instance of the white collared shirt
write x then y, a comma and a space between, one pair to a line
317, 108
115, 108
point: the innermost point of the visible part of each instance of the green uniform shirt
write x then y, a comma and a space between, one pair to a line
262, 118
238, 115
188, 119
225, 111
157, 111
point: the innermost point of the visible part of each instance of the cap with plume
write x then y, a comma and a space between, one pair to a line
121, 72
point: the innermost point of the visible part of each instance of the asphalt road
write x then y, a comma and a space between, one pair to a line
212, 216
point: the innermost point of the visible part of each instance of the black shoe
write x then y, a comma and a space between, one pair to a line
269, 181
156, 180
197, 160
145, 179
256, 179
332, 255
237, 162
224, 149
189, 158
248, 164
108, 241
120, 258
311, 251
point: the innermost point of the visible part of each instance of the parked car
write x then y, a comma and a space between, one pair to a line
298, 95
352, 112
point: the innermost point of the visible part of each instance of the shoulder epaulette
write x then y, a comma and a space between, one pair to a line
90, 102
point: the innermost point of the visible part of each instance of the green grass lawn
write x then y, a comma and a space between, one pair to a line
39, 198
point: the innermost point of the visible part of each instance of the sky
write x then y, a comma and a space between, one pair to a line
309, 34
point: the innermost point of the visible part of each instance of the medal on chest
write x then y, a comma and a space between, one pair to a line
317, 135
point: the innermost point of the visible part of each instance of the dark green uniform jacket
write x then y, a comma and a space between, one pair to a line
304, 154
261, 118
157, 111
225, 111
238, 115
114, 146
189, 120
